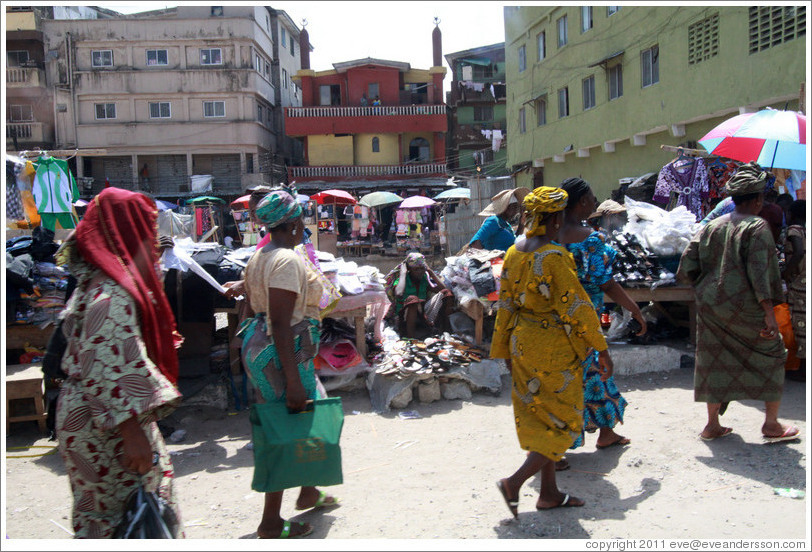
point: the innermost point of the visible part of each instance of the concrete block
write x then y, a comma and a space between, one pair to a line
402, 399
639, 359
429, 391
456, 390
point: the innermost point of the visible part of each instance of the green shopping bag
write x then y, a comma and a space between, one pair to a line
295, 450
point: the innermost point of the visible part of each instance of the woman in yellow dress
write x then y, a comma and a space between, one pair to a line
545, 328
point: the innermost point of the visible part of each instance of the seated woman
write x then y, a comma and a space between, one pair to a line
420, 302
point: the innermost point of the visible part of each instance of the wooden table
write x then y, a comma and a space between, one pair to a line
24, 382
665, 294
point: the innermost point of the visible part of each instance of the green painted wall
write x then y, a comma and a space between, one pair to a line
694, 96
465, 115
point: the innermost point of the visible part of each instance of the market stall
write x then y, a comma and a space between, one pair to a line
414, 223
329, 202
207, 216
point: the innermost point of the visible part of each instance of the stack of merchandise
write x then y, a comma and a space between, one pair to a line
636, 266
405, 358
474, 276
50, 285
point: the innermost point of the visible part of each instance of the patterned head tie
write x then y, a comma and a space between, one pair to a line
539, 203
278, 207
750, 178
415, 260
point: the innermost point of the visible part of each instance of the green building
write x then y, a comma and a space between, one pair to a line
476, 111
595, 91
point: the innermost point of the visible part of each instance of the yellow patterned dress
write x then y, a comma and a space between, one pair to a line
546, 325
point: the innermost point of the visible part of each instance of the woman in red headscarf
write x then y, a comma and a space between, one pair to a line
121, 362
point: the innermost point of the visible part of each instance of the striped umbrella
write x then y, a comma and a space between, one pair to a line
770, 137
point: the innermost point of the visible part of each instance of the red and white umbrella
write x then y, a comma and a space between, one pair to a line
771, 138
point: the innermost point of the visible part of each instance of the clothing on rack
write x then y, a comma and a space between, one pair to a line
497, 140
688, 178
54, 191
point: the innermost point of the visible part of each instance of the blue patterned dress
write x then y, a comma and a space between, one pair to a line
603, 404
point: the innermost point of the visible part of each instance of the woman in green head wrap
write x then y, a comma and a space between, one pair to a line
732, 264
545, 328
285, 297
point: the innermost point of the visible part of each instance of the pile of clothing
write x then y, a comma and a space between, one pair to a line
634, 265
474, 276
405, 358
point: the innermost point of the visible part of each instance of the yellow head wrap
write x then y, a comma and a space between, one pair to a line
539, 203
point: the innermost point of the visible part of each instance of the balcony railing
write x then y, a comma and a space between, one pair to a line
374, 111
27, 132
354, 171
24, 76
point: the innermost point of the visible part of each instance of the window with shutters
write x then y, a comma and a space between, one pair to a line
703, 39
376, 145
772, 25
615, 82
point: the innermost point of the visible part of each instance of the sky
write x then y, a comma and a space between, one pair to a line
396, 31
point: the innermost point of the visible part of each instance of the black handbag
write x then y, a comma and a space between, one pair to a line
147, 516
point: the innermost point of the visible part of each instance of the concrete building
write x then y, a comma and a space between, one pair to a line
29, 99
596, 90
152, 99
476, 108
352, 141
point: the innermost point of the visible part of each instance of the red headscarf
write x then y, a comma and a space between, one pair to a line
117, 227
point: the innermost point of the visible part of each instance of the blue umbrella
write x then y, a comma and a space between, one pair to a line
165, 205
455, 193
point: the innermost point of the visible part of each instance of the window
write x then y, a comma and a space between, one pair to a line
563, 102
615, 82
562, 31
372, 91
650, 65
376, 145
105, 110
292, 46
267, 23
16, 58
217, 11
258, 63
483, 113
541, 45
160, 110
324, 94
586, 18
588, 85
267, 69
703, 39
214, 109
522, 122
19, 113
101, 58
157, 57
541, 111
611, 10
260, 114
284, 37
284, 78
522, 58
211, 56
772, 25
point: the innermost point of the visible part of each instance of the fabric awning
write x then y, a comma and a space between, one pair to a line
474, 61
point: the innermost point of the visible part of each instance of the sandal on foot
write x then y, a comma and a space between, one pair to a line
304, 530
621, 442
725, 432
324, 501
566, 503
513, 505
562, 465
790, 433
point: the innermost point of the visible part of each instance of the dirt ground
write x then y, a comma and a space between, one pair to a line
434, 477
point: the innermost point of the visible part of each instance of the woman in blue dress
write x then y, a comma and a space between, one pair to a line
497, 230
603, 403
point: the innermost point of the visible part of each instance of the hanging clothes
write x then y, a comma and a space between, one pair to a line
719, 172
54, 191
497, 140
688, 180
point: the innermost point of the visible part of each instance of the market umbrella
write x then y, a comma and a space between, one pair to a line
339, 197
80, 203
241, 202
455, 193
164, 205
205, 198
771, 138
415, 202
379, 199
302, 198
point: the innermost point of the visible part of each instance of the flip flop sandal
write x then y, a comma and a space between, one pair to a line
790, 434
286, 527
321, 502
513, 505
563, 504
725, 432
622, 442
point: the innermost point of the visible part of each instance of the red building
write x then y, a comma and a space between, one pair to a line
370, 124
